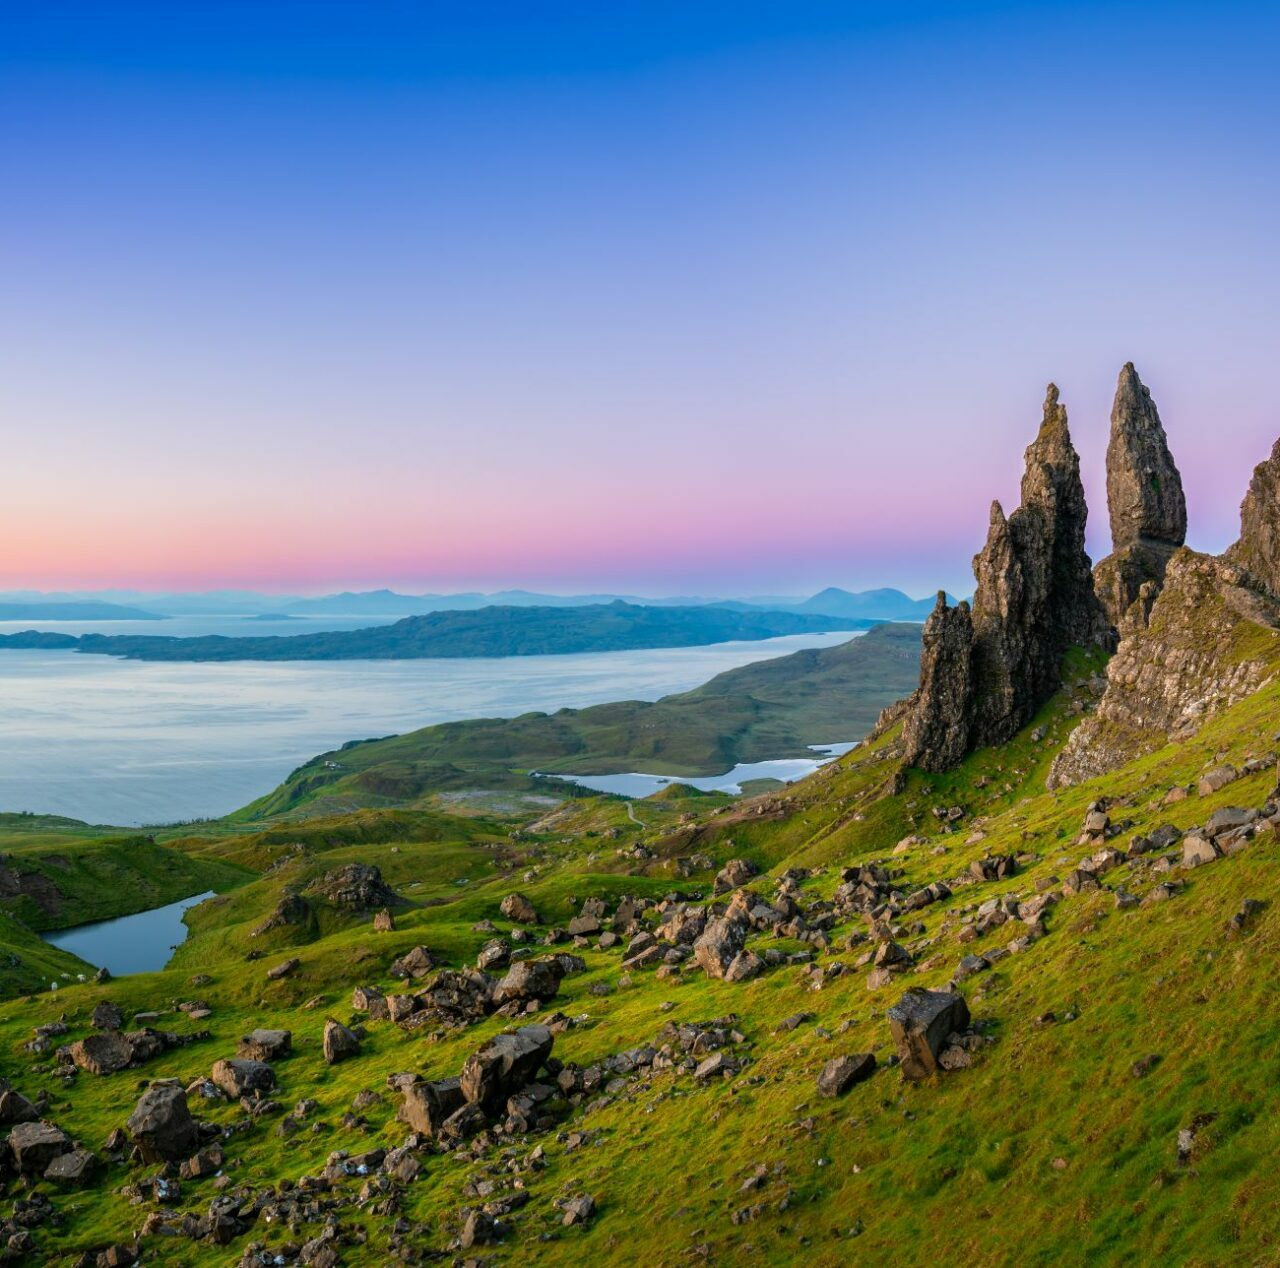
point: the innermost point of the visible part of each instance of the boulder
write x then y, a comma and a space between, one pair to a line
76, 1167
733, 875
106, 1016
743, 967
718, 945
265, 1045
161, 1124
1198, 850
15, 1108
427, 1105
504, 1065
842, 1073
413, 964
920, 1023
384, 921
1215, 780
339, 1043
530, 980
517, 908
495, 954
356, 887
1228, 819
103, 1053
35, 1145
579, 1210
283, 969
242, 1077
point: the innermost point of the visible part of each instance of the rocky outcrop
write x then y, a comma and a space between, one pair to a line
985, 671
1258, 550
1144, 497
357, 887
1208, 640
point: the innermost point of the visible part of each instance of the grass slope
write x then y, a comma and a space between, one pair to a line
769, 709
1050, 1150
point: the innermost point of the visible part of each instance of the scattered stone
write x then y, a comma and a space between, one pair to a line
517, 908
339, 1043
842, 1073
265, 1045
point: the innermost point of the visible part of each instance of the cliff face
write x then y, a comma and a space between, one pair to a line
1144, 497
1258, 550
985, 672
1207, 641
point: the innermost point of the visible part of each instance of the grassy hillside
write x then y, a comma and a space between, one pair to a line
1120, 1105
490, 631
770, 709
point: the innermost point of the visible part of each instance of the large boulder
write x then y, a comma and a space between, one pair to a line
103, 1053
427, 1105
504, 1065
339, 1043
242, 1077
356, 887
920, 1023
716, 948
35, 1145
529, 980
161, 1124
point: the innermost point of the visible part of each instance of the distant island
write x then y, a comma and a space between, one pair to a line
491, 631
73, 610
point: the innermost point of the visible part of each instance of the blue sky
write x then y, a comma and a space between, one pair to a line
651, 297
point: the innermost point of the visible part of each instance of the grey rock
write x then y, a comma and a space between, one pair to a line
842, 1073
161, 1124
921, 1022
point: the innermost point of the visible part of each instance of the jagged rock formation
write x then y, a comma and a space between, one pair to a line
1205, 643
1206, 640
1258, 550
985, 671
1145, 499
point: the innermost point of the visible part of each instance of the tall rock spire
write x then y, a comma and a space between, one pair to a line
1144, 497
984, 674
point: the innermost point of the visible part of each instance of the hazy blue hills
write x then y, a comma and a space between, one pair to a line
876, 605
489, 631
72, 610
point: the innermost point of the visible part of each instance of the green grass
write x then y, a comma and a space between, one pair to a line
1048, 1151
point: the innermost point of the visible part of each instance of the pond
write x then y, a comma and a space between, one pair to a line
785, 770
141, 943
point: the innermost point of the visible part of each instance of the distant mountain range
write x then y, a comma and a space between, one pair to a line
490, 631
874, 605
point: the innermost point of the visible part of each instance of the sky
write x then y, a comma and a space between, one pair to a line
665, 298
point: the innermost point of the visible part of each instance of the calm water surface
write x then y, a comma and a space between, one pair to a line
787, 770
141, 943
135, 742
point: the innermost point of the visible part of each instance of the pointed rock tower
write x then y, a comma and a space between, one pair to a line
1145, 499
983, 674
